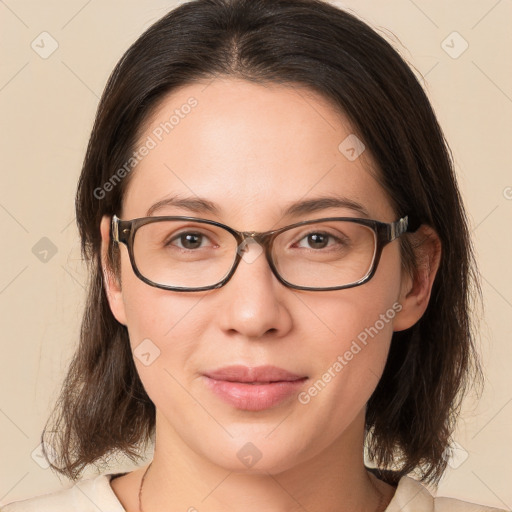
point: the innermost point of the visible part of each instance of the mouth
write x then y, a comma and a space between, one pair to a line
260, 382
253, 389
256, 375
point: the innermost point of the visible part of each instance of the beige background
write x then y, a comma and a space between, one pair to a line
47, 108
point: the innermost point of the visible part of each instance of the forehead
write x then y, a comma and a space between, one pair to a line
252, 150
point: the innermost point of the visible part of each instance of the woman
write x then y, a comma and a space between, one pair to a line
280, 273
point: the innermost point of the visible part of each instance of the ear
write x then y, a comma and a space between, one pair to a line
416, 289
111, 282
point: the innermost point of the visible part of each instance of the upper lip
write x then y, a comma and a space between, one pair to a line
253, 374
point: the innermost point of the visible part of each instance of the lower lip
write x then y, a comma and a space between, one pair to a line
254, 397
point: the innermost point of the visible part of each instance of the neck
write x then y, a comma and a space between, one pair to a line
334, 479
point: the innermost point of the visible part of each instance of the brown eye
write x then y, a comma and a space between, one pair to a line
188, 240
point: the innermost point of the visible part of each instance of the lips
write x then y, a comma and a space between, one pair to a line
253, 389
258, 374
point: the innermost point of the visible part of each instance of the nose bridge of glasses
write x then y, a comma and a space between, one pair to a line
258, 237
258, 240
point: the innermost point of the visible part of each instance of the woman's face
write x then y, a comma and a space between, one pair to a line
252, 151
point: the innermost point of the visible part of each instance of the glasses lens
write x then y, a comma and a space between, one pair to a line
184, 254
325, 254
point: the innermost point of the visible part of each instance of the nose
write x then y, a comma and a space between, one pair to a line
254, 301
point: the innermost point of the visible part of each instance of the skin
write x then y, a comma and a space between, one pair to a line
252, 150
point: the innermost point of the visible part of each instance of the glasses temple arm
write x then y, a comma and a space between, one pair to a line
115, 229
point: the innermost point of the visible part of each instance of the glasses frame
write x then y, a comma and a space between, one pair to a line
123, 231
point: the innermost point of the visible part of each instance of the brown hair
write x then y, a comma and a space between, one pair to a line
103, 408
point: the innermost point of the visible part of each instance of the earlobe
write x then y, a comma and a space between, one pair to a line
111, 282
416, 289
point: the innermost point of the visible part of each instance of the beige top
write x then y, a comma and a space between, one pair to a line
93, 494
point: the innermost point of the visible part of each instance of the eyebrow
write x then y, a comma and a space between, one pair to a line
200, 205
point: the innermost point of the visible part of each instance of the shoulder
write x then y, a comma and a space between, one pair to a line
88, 495
453, 505
412, 496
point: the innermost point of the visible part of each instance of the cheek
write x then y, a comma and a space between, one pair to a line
164, 330
354, 329
347, 363
169, 319
166, 325
151, 312
350, 338
348, 314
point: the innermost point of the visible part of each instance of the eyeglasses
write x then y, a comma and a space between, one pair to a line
192, 254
